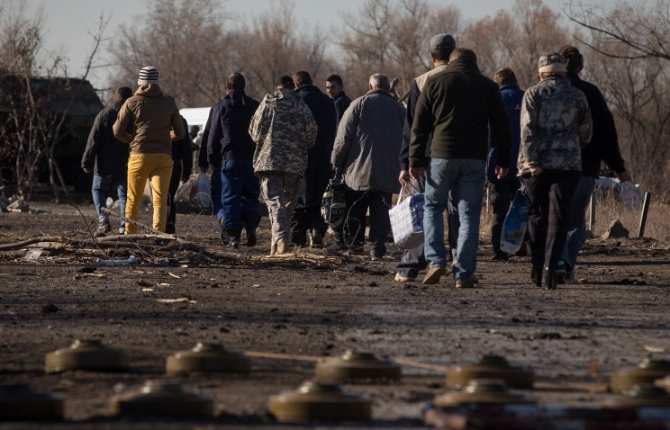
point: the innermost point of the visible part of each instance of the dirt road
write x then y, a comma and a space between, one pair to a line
577, 333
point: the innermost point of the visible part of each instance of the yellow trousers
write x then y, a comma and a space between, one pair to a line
157, 168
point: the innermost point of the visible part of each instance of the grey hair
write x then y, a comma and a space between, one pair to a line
379, 82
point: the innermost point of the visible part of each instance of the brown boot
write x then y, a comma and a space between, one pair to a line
434, 274
281, 247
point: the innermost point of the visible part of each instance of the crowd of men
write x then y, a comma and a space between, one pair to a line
457, 129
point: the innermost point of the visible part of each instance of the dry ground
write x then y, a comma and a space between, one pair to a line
575, 334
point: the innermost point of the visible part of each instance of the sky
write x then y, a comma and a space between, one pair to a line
69, 23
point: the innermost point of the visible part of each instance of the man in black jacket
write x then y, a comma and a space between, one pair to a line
454, 114
182, 159
604, 146
441, 47
307, 216
335, 90
107, 158
230, 146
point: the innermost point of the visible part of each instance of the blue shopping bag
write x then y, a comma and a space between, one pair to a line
516, 223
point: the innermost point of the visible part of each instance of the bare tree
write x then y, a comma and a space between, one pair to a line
188, 43
643, 26
37, 104
516, 38
272, 46
391, 36
629, 51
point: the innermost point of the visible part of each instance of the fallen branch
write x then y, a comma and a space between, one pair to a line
22, 244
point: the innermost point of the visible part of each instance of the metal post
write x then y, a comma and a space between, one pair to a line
592, 213
643, 216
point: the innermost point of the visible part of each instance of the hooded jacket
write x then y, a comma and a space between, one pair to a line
146, 119
228, 137
455, 111
283, 130
368, 139
104, 153
512, 97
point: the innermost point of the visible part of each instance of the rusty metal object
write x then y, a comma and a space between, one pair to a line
207, 358
87, 355
648, 371
481, 392
490, 367
161, 399
318, 402
354, 367
645, 395
20, 402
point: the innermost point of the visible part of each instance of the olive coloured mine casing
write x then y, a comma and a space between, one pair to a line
207, 358
640, 396
20, 402
318, 402
161, 399
490, 367
648, 371
354, 367
87, 355
481, 392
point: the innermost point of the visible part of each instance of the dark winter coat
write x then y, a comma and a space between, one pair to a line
604, 145
104, 154
368, 139
182, 154
228, 133
512, 97
455, 111
342, 102
318, 169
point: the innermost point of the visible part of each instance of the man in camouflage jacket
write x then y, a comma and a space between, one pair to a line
555, 124
283, 130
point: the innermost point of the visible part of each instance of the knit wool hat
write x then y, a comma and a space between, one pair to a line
148, 75
552, 63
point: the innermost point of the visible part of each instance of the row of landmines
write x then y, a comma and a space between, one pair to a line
481, 387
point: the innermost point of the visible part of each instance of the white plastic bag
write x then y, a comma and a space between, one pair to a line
407, 218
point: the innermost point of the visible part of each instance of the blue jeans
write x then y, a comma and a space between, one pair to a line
240, 190
577, 223
464, 179
101, 188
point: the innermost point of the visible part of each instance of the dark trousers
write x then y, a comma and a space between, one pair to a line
380, 226
171, 224
307, 219
240, 190
550, 195
502, 193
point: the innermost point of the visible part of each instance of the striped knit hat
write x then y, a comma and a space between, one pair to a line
148, 75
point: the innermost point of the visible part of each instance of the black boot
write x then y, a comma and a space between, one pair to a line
230, 237
251, 237
536, 276
550, 278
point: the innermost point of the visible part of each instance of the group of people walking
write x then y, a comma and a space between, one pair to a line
457, 129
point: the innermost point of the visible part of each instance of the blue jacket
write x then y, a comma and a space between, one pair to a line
512, 96
227, 129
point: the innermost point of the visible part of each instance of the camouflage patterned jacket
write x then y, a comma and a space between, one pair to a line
555, 124
283, 130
